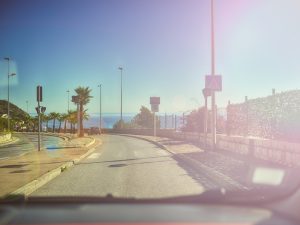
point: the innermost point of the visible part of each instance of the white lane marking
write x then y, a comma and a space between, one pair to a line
94, 156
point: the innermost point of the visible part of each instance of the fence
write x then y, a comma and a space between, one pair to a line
274, 117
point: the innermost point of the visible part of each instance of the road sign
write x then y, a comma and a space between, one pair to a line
75, 99
213, 83
39, 93
206, 92
154, 108
154, 101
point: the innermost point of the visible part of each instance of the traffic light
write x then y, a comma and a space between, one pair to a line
39, 93
43, 109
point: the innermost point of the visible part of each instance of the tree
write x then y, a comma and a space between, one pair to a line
72, 118
63, 118
54, 116
145, 118
195, 121
84, 99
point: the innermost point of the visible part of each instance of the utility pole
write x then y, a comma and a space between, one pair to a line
100, 122
68, 91
27, 106
213, 96
121, 69
8, 59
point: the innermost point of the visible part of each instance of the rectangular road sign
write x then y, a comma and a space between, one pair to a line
213, 83
154, 100
154, 108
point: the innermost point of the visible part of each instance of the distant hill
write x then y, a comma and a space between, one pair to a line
15, 111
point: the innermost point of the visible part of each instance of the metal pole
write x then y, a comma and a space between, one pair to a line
78, 119
205, 121
27, 106
100, 122
213, 97
8, 114
68, 100
39, 129
175, 122
121, 93
154, 127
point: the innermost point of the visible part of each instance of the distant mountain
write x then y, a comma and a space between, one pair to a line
15, 111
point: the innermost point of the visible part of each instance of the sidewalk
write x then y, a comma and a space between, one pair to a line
24, 174
217, 169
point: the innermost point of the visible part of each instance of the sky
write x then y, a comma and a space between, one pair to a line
163, 46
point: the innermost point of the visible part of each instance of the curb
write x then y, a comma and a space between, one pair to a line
211, 174
27, 189
11, 141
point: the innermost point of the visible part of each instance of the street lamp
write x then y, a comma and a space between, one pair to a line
213, 96
100, 123
121, 69
68, 91
27, 106
8, 59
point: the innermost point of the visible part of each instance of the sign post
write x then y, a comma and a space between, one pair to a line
213, 83
154, 101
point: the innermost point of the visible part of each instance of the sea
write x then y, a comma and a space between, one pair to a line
109, 119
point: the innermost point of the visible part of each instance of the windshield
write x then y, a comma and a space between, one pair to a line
148, 99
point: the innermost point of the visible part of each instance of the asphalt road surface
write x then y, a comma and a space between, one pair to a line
124, 167
26, 143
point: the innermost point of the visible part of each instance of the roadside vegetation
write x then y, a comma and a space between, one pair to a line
52, 122
144, 119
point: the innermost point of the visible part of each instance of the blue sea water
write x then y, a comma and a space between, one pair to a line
109, 119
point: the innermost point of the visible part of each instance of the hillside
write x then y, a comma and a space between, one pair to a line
15, 111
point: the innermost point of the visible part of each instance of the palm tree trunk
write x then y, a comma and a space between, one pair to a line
81, 133
53, 127
65, 126
59, 127
47, 125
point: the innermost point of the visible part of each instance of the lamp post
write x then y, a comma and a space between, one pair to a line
8, 59
100, 105
68, 91
213, 97
27, 106
121, 69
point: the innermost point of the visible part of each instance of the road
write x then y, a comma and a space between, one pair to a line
26, 143
124, 167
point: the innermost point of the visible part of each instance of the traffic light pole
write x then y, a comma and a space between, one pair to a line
39, 128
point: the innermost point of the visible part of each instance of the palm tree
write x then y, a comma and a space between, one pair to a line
45, 118
63, 117
72, 118
84, 98
54, 116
